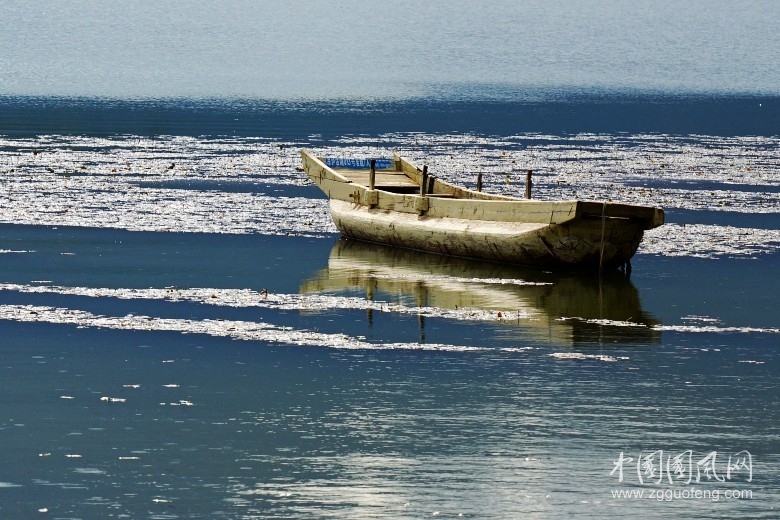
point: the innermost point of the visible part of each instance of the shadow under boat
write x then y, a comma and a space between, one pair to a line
552, 307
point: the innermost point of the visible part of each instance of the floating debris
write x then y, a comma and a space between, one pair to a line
579, 356
680, 328
250, 298
610, 323
243, 330
704, 319
113, 399
715, 329
89, 471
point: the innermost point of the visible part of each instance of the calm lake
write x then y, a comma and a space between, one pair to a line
185, 335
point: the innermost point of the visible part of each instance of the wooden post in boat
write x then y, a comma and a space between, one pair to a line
528, 183
424, 181
372, 175
479, 181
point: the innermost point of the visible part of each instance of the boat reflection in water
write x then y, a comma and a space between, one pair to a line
551, 307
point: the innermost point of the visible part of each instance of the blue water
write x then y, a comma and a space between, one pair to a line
567, 112
185, 335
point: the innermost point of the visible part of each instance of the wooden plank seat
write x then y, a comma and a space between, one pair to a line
388, 180
384, 179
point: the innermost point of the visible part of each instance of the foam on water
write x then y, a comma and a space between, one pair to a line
265, 300
580, 356
243, 330
264, 331
681, 328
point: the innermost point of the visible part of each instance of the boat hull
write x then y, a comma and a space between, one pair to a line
401, 206
581, 242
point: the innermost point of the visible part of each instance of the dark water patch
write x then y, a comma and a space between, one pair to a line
91, 257
564, 114
734, 292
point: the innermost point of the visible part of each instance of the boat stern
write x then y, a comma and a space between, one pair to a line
648, 217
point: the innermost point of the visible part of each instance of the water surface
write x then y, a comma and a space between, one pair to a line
185, 335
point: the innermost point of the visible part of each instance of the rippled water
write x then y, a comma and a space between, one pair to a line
184, 334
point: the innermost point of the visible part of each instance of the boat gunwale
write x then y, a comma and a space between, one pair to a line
447, 200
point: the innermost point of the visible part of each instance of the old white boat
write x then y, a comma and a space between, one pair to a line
392, 201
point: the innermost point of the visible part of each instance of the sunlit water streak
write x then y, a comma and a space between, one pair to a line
255, 186
297, 302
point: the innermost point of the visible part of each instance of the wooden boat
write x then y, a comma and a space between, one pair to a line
396, 203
